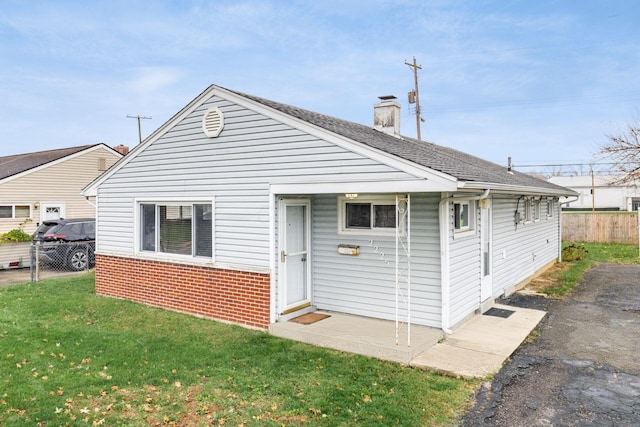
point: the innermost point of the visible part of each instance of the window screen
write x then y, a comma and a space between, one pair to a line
358, 215
384, 216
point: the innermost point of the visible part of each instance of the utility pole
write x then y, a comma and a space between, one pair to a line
139, 129
414, 96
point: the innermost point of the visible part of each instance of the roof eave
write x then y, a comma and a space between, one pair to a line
515, 189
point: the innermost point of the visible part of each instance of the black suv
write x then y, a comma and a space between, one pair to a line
67, 243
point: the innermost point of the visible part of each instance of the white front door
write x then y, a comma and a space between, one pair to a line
294, 274
486, 283
51, 211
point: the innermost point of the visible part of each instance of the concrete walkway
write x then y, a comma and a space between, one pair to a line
476, 349
482, 344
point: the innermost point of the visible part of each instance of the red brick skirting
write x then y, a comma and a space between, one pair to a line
229, 295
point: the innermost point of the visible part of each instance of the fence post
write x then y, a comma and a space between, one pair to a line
638, 212
32, 262
37, 261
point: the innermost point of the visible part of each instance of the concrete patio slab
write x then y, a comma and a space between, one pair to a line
476, 349
481, 345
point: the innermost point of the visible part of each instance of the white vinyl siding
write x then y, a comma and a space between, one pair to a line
236, 168
365, 284
465, 267
519, 251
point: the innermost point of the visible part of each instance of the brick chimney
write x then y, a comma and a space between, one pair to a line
386, 115
122, 149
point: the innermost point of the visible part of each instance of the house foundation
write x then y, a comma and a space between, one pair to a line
227, 295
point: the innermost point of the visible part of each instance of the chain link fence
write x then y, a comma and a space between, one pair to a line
61, 257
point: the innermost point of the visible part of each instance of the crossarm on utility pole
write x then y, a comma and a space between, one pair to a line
139, 128
415, 67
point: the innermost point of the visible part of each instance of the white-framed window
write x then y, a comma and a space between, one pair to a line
178, 228
528, 210
536, 210
367, 215
15, 211
549, 208
463, 217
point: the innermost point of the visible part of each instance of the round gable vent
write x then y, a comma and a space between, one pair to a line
213, 122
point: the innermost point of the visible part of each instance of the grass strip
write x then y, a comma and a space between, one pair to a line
582, 256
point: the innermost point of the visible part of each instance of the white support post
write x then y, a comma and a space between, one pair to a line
403, 260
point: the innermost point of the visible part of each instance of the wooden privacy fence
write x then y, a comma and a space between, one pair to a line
600, 227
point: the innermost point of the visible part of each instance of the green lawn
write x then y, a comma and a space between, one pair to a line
578, 257
69, 357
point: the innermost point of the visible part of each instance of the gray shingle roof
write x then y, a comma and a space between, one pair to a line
18, 163
462, 166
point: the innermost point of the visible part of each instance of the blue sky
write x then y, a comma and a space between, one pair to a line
541, 81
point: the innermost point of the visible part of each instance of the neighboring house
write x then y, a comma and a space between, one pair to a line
599, 192
47, 184
252, 211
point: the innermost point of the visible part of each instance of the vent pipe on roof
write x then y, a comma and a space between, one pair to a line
386, 116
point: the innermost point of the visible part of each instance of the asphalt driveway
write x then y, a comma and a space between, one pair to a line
584, 367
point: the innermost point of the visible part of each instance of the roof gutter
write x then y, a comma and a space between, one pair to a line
445, 276
517, 189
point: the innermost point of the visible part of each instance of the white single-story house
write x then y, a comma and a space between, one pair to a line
599, 192
251, 211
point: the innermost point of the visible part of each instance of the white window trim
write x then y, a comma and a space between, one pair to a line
528, 210
469, 230
549, 213
536, 210
164, 256
13, 211
374, 200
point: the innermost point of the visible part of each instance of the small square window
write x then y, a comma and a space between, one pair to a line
461, 216
358, 215
536, 210
384, 216
528, 210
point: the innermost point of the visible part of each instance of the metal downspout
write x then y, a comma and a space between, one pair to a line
445, 276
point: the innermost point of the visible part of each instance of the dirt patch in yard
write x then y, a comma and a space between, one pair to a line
550, 278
